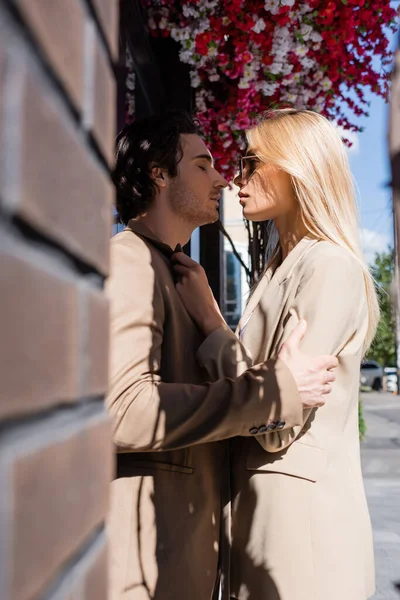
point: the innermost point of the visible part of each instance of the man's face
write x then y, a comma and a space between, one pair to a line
195, 192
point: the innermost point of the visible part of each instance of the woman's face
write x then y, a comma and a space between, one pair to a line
265, 190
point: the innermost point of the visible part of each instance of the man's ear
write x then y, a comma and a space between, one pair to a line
159, 176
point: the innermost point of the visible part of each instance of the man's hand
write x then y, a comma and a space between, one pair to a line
313, 374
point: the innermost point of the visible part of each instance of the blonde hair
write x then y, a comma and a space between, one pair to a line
307, 146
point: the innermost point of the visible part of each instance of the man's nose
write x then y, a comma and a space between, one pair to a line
221, 182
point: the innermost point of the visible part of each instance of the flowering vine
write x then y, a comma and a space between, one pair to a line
246, 56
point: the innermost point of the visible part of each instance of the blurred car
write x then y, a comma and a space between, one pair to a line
391, 379
371, 375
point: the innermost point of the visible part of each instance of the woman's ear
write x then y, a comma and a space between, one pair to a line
159, 176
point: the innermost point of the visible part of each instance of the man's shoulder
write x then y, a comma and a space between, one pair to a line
130, 246
130, 251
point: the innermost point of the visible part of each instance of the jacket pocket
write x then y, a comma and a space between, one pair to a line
132, 463
298, 460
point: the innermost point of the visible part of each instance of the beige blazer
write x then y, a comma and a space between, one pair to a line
300, 522
172, 467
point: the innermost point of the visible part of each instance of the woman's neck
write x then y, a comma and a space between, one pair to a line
291, 230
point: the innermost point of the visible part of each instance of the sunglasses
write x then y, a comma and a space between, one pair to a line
248, 165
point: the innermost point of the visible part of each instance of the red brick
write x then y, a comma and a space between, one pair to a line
2, 70
107, 11
98, 338
59, 30
39, 337
64, 194
60, 495
104, 99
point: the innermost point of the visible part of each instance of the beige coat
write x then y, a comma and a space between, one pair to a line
300, 522
172, 468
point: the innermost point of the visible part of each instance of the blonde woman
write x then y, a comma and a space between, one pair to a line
300, 524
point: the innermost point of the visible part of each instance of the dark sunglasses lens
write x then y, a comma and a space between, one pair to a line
252, 165
249, 165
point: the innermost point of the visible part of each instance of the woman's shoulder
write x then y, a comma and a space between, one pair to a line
327, 255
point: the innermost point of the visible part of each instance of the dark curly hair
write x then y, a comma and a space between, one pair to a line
151, 141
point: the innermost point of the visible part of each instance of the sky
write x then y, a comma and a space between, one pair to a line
370, 166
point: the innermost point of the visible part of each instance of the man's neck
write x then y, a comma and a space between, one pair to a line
168, 227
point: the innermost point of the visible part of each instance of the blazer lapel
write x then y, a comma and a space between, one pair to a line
261, 318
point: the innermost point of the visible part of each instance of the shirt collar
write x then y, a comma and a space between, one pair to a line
141, 229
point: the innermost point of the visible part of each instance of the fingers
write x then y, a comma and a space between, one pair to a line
329, 377
328, 362
181, 270
297, 334
326, 389
183, 259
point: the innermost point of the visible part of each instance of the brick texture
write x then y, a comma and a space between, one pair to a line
107, 11
39, 331
59, 30
62, 191
56, 149
61, 494
104, 104
97, 351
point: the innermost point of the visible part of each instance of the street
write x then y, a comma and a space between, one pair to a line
380, 454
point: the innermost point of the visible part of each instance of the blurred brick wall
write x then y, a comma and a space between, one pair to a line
57, 130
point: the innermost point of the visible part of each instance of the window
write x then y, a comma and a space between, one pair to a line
233, 290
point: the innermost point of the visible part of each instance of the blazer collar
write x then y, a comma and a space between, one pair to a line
285, 270
271, 282
143, 231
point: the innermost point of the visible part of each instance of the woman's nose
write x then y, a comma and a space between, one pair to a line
238, 180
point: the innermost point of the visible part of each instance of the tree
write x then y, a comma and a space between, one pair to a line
383, 348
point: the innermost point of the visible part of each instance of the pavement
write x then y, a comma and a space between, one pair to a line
380, 454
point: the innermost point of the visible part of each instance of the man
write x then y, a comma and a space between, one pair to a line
171, 426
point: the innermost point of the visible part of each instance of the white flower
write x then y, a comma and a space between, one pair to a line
307, 63
195, 79
185, 56
163, 23
287, 68
301, 50
287, 2
212, 51
227, 143
243, 84
316, 37
326, 84
189, 11
305, 31
318, 76
275, 68
272, 6
249, 72
259, 26
176, 34
268, 88
291, 97
304, 8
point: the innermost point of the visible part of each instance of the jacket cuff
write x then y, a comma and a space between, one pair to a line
218, 338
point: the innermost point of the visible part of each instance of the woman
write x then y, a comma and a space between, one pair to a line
300, 523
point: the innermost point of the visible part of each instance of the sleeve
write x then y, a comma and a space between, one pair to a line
331, 298
223, 355
151, 414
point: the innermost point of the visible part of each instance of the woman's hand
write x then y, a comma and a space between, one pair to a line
192, 286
